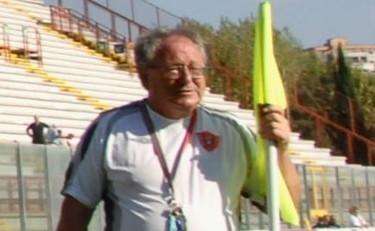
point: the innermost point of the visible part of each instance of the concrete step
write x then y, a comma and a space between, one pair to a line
121, 81
24, 139
13, 16
28, 86
125, 79
40, 11
60, 121
32, 94
319, 161
18, 129
41, 103
83, 71
24, 115
60, 50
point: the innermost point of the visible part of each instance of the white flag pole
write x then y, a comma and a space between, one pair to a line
273, 203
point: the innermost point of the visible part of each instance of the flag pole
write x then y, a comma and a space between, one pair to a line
268, 89
273, 195
273, 205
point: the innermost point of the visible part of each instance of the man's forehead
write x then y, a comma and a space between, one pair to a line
178, 45
173, 42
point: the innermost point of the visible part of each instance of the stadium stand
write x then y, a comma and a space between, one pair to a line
69, 84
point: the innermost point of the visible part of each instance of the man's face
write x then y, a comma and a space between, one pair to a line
353, 210
176, 81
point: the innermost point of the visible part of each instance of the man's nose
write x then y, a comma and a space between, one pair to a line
186, 74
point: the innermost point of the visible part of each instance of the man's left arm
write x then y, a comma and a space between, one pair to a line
275, 126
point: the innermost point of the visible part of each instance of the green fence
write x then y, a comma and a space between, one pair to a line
31, 178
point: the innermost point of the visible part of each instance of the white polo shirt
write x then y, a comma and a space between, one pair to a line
119, 166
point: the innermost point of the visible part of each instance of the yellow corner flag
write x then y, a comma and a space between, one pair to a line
268, 89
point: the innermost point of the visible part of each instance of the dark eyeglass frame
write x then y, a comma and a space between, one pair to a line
175, 71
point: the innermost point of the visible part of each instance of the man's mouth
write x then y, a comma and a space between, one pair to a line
185, 92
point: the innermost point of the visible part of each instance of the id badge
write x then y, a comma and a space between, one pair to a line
177, 220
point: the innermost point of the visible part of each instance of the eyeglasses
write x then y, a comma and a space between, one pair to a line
177, 70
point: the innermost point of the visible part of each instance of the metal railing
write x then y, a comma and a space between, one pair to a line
29, 53
139, 11
72, 22
129, 18
5, 46
94, 35
31, 44
350, 133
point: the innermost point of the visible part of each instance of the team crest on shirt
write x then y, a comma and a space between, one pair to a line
208, 140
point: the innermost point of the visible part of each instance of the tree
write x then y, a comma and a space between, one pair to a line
317, 84
364, 84
343, 77
347, 111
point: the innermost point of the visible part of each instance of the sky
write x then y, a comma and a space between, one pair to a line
312, 22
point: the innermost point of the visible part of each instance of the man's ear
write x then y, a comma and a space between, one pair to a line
143, 76
144, 81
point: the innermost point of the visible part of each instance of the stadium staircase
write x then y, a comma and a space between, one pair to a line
66, 82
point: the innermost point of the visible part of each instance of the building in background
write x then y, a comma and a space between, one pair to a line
360, 56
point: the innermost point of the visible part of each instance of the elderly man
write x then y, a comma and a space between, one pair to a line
167, 162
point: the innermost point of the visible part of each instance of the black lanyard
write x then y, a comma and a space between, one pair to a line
157, 148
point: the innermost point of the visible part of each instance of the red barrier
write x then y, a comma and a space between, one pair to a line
28, 52
5, 47
351, 133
